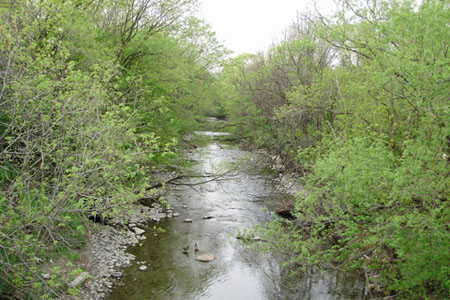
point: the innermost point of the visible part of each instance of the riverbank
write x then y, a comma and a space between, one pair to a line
105, 253
97, 265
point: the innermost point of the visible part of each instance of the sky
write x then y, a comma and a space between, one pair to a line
252, 25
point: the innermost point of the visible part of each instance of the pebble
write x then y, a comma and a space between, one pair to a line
188, 220
143, 268
116, 274
176, 214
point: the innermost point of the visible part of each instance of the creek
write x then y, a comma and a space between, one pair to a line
240, 199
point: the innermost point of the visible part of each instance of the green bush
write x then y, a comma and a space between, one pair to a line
87, 114
358, 103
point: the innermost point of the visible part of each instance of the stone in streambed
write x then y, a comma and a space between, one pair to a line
138, 230
188, 220
207, 257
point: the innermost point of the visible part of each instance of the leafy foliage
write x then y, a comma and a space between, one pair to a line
359, 103
94, 96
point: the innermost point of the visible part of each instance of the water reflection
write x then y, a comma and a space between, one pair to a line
236, 200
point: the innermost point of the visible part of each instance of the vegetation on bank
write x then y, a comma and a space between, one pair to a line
359, 103
94, 96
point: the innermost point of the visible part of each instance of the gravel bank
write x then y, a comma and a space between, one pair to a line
105, 251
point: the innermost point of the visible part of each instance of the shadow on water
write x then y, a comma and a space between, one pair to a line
235, 201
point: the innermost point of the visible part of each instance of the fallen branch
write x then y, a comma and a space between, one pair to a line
171, 181
213, 177
231, 139
163, 183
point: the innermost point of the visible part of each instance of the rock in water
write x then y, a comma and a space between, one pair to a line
207, 257
188, 220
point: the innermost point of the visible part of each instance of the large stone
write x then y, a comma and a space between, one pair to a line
188, 220
207, 257
138, 230
79, 280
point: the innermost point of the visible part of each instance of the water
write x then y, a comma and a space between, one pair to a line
235, 201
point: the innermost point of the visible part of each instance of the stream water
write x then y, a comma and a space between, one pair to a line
235, 201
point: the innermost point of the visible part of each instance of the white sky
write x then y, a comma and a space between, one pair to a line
252, 25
